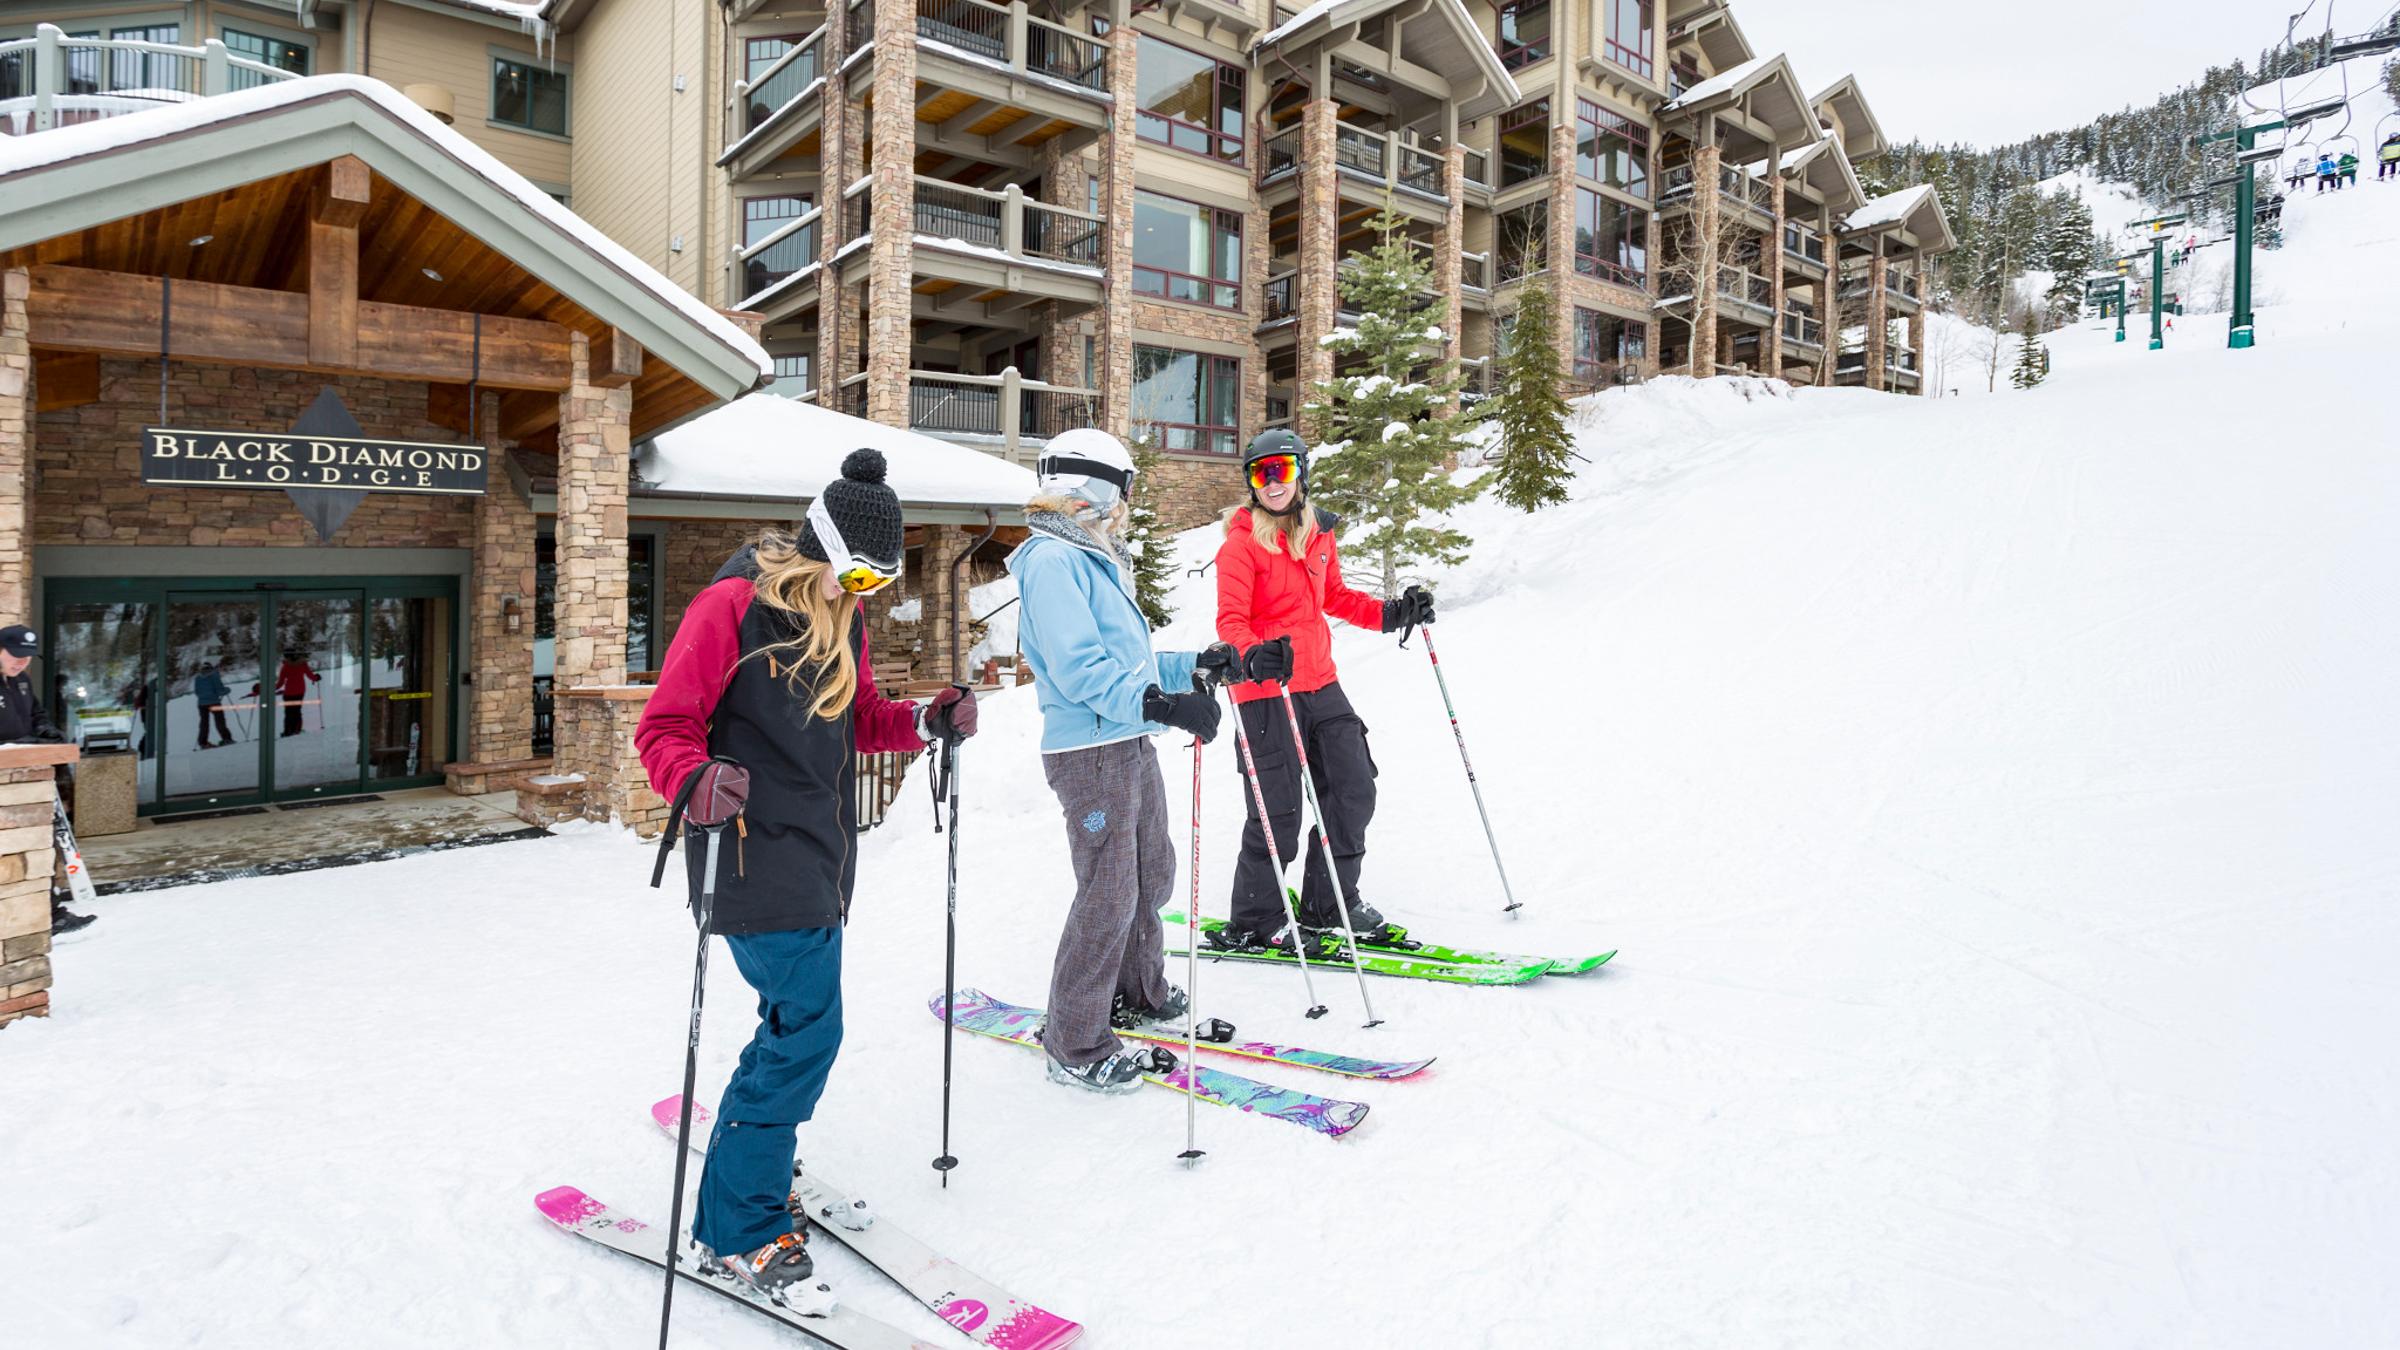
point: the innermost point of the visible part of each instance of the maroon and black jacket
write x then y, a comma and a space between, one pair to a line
799, 857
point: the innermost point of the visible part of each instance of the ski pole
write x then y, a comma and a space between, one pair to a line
1266, 827
1308, 790
705, 909
944, 1163
1192, 1152
1494, 840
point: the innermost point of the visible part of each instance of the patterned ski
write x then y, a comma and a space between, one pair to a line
585, 1217
1449, 956
988, 1314
1348, 1066
984, 1015
1330, 953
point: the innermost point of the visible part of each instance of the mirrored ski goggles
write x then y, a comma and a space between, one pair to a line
1274, 469
858, 576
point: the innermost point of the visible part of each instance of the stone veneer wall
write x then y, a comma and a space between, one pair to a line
26, 797
88, 485
593, 735
16, 435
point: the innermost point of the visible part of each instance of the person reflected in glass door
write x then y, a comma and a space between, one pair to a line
208, 689
292, 680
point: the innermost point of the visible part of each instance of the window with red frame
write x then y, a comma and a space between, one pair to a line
1611, 149
1612, 239
1186, 100
1192, 400
1185, 251
1525, 143
1625, 35
1604, 342
1524, 33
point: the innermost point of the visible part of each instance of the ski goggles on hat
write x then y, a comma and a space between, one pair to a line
857, 575
1274, 469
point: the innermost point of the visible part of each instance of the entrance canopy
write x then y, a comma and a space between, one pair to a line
330, 225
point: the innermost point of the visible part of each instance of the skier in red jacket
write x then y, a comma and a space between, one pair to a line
769, 668
1278, 576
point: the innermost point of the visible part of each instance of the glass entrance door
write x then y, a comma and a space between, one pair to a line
209, 708
316, 694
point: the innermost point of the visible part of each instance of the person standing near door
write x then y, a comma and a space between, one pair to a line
292, 680
22, 718
208, 688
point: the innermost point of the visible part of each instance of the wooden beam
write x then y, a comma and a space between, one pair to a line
343, 193
65, 380
332, 294
616, 360
117, 314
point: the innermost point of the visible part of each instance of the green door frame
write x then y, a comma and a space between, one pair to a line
159, 592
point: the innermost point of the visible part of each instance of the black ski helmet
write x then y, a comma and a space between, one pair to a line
1277, 441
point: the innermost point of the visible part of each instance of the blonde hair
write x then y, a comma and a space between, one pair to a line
1294, 530
793, 584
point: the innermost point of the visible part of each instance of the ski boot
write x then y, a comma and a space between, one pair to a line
1367, 924
64, 920
779, 1272
1167, 1017
832, 1207
1232, 939
1119, 1073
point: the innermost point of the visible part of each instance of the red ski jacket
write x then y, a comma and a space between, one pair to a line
1262, 595
799, 855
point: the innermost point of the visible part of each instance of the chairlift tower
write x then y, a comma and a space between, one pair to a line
2158, 227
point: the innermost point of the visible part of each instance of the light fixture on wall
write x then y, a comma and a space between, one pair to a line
430, 274
512, 615
195, 243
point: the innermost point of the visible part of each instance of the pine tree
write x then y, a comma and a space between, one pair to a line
1383, 465
1529, 409
2031, 366
1151, 558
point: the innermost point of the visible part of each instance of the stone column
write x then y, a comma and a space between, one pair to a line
594, 473
1116, 208
1064, 183
837, 168
1320, 253
1558, 252
26, 794
16, 450
500, 702
943, 545
1449, 264
1879, 319
891, 258
1770, 256
1707, 213
1916, 343
1829, 300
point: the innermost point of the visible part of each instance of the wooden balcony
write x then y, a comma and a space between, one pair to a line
1803, 251
778, 113
1005, 413
51, 80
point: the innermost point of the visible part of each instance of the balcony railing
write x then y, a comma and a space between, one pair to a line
1384, 158
51, 80
1746, 288
777, 85
1902, 284
1802, 329
1479, 169
1007, 221
1282, 295
862, 25
1475, 271
1005, 406
1733, 185
791, 247
1804, 244
1016, 39
1282, 155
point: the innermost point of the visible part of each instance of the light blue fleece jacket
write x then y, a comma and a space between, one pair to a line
1086, 639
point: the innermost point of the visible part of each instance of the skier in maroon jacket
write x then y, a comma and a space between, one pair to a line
769, 668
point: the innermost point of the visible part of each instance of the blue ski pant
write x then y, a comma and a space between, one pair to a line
748, 1177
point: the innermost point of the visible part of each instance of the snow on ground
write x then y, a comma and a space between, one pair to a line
1991, 800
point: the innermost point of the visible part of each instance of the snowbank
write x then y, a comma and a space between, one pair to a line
766, 445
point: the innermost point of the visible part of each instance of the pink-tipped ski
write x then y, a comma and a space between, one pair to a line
988, 1314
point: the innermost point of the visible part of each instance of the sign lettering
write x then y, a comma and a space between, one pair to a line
182, 457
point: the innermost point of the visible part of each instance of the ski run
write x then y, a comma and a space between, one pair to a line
1991, 799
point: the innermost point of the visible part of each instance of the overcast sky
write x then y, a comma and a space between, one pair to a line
1942, 70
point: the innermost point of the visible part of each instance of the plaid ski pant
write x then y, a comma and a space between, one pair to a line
1115, 805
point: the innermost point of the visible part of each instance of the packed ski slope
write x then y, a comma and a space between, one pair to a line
1992, 800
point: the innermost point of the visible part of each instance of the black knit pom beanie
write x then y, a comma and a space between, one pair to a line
864, 509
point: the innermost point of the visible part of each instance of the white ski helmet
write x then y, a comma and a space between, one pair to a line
1086, 463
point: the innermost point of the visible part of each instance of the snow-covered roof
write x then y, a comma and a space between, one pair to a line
470, 167
1889, 209
1724, 83
770, 446
1459, 52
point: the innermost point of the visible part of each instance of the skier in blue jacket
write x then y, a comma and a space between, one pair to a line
1103, 694
2327, 172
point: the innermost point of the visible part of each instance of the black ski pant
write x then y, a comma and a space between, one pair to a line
224, 732
1343, 771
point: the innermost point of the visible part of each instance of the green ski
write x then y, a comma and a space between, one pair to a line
1457, 956
1402, 965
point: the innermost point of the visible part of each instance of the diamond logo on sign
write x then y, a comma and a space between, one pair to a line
322, 462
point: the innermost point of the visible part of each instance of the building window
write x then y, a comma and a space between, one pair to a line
1187, 100
1187, 252
791, 375
1625, 35
1525, 143
129, 70
1524, 33
1191, 400
762, 216
267, 51
1612, 239
1523, 234
1611, 149
1604, 342
529, 97
759, 54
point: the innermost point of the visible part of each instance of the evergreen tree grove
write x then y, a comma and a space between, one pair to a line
1151, 559
1382, 465
1529, 409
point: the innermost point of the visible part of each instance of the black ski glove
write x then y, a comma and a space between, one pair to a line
1415, 606
1195, 712
1269, 661
1216, 664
